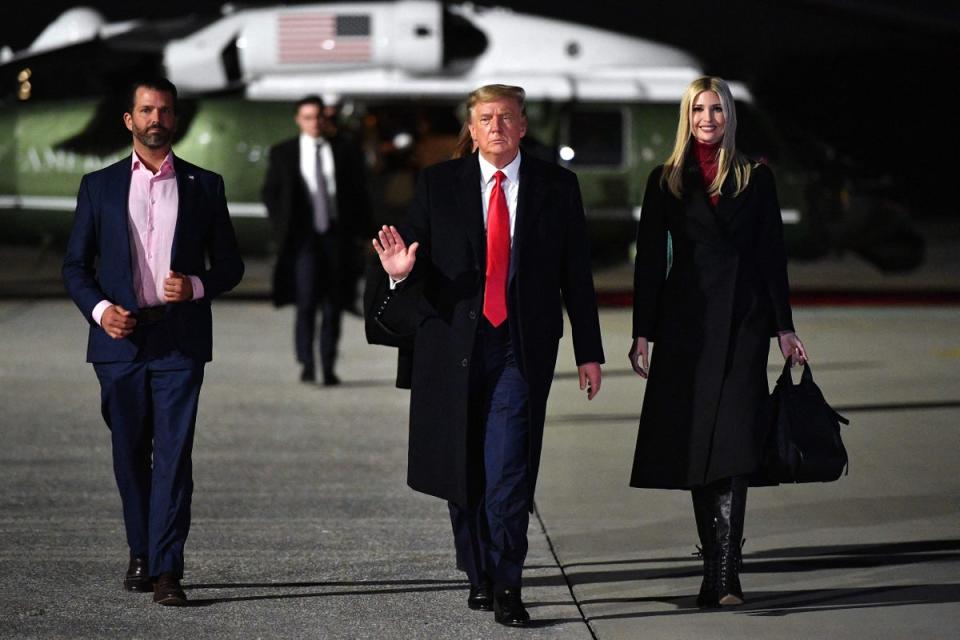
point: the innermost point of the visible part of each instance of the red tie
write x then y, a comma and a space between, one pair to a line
498, 254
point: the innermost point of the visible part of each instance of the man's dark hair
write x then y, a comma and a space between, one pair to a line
310, 99
157, 84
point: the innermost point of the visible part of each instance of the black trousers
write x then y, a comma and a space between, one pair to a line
317, 277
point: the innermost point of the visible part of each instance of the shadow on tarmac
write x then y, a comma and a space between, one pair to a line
782, 603
794, 560
415, 586
790, 560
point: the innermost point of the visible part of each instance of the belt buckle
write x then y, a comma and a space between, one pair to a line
150, 315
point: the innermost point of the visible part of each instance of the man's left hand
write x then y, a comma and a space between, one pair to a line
590, 378
177, 288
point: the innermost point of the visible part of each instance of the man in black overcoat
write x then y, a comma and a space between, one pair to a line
316, 198
496, 247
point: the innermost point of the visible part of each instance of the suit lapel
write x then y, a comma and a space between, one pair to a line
117, 194
186, 196
469, 202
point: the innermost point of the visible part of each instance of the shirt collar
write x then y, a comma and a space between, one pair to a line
165, 167
512, 170
307, 141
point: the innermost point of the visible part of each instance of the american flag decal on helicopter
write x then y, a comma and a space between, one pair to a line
308, 37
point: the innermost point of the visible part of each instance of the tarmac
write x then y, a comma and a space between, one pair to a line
303, 526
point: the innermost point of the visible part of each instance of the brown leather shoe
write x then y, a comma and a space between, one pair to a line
167, 591
137, 577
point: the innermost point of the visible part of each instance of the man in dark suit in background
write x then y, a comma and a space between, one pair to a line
497, 245
136, 265
316, 198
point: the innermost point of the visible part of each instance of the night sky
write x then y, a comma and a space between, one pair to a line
862, 79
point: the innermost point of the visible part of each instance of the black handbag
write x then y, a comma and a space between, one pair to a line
803, 441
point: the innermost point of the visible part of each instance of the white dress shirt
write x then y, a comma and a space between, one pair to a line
308, 168
510, 186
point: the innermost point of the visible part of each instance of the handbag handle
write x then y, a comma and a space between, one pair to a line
805, 378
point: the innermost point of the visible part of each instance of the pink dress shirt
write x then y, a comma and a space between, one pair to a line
152, 216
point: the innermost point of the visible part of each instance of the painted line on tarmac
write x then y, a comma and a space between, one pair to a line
582, 418
563, 572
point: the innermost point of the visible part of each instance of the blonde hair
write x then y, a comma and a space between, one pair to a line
729, 158
486, 93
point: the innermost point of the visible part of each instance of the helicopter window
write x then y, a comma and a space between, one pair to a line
596, 139
462, 42
357, 25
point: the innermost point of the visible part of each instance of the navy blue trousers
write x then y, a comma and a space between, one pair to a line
491, 537
150, 406
317, 286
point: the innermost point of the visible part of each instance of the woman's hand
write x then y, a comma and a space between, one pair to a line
792, 348
396, 258
640, 356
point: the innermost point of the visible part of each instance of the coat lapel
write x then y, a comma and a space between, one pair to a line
729, 206
529, 202
469, 202
696, 202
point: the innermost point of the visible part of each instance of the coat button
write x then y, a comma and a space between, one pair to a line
463, 362
473, 314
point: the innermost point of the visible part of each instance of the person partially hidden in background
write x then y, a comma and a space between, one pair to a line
316, 198
145, 230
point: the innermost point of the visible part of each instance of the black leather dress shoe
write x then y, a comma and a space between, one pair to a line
137, 577
508, 607
481, 597
330, 379
167, 591
308, 373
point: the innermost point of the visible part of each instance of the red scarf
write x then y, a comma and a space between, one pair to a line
708, 157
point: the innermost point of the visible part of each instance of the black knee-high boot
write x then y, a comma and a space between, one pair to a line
703, 511
730, 503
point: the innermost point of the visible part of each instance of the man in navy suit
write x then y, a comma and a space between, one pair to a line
151, 246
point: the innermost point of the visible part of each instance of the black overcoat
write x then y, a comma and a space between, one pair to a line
710, 319
291, 216
550, 268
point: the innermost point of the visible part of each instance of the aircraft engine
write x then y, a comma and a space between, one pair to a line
305, 39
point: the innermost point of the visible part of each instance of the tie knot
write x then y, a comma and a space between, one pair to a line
499, 176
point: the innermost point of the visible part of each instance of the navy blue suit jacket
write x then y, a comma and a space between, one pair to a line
98, 261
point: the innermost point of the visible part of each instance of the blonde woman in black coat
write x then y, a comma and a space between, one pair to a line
711, 313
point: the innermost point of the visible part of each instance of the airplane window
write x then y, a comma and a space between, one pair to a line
596, 138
